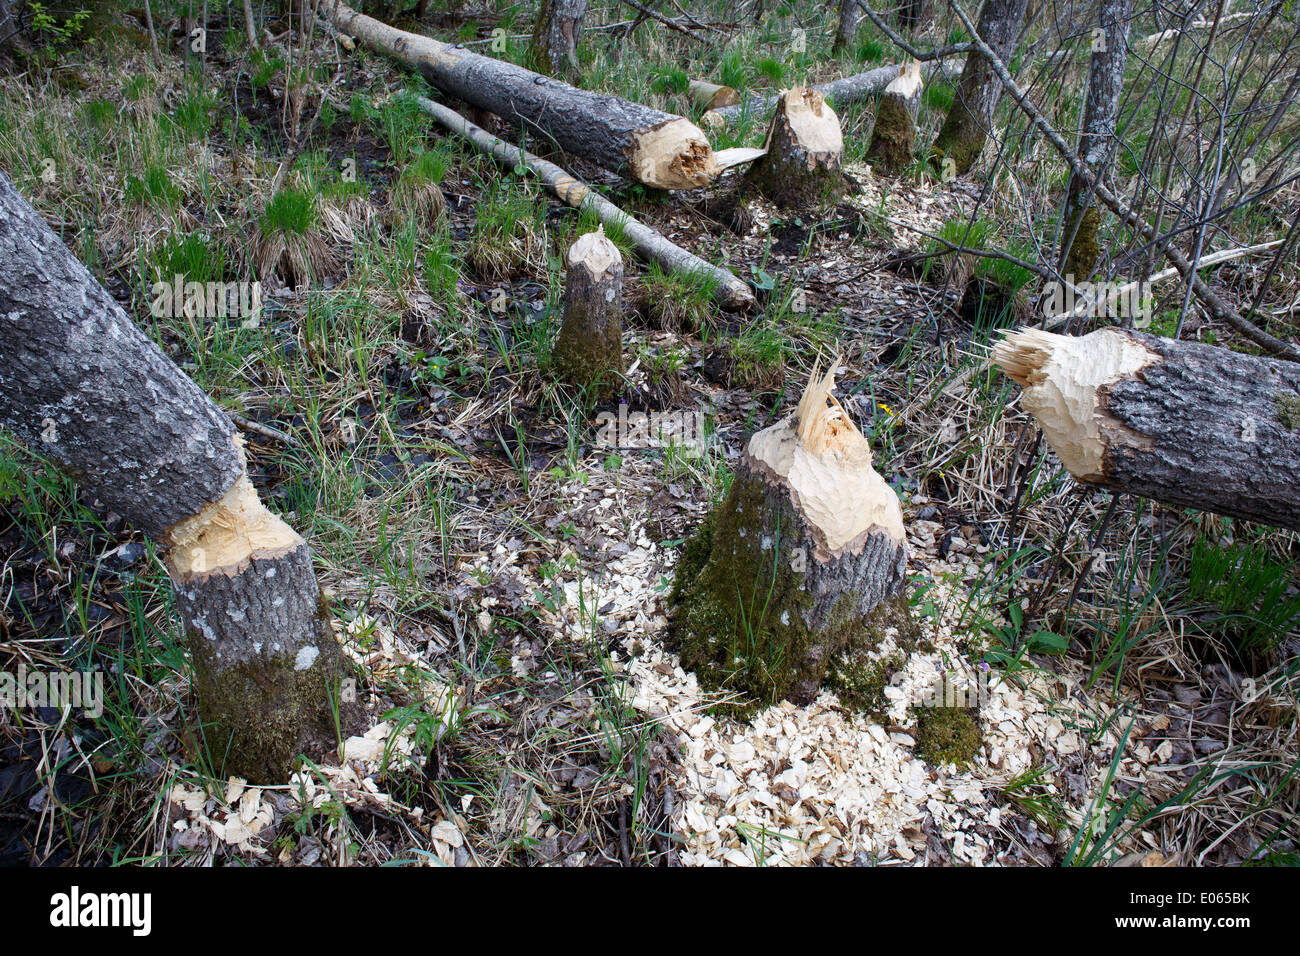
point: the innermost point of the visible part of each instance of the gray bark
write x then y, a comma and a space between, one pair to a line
81, 384
1221, 432
556, 35
847, 26
1097, 140
970, 118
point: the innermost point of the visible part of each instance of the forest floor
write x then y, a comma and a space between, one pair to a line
500, 573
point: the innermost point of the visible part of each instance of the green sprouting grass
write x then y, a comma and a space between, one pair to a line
1254, 593
290, 211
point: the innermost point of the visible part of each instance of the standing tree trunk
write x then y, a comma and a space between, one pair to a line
799, 574
893, 136
589, 349
805, 153
83, 385
1097, 140
250, 25
912, 14
555, 36
651, 147
961, 138
847, 27
1183, 423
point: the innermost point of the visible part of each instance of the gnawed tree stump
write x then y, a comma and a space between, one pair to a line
893, 136
1182, 423
555, 36
589, 348
800, 573
803, 165
652, 147
81, 384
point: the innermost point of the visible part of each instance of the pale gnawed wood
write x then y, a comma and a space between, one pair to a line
803, 165
648, 145
81, 383
1182, 423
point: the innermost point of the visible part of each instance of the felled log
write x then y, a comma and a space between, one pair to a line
800, 566
589, 349
711, 96
729, 291
82, 385
847, 89
555, 36
1183, 423
805, 153
647, 145
893, 135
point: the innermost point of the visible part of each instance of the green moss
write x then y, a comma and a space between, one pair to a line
858, 678
1082, 256
594, 361
947, 735
1288, 410
961, 138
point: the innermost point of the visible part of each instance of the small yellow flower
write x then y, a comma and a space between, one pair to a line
886, 408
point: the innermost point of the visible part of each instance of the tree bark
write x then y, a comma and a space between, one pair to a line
649, 146
84, 386
250, 25
805, 153
801, 569
893, 135
912, 14
589, 349
846, 27
556, 34
1186, 424
962, 136
729, 291
847, 89
1097, 140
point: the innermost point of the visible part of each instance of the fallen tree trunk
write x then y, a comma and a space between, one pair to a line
1183, 423
729, 291
801, 569
803, 165
647, 145
893, 134
589, 349
82, 385
847, 89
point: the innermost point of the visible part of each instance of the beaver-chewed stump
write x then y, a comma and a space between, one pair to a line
893, 136
803, 165
589, 349
798, 577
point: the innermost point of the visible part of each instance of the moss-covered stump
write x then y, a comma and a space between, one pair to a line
268, 670
802, 562
893, 137
803, 165
589, 349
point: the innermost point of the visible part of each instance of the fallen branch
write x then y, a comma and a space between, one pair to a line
730, 292
652, 147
